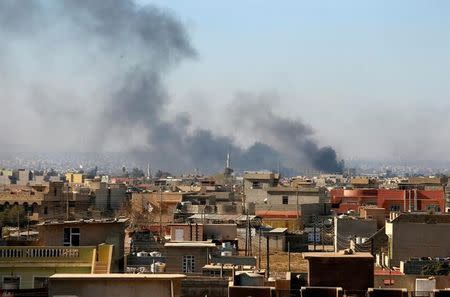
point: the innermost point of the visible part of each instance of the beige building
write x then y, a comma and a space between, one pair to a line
188, 256
64, 202
256, 184
87, 233
418, 235
74, 178
115, 285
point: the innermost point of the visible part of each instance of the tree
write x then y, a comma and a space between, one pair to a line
9, 216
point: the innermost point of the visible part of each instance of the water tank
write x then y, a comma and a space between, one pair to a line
155, 254
250, 279
158, 267
425, 285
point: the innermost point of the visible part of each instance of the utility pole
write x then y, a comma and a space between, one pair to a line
67, 203
18, 222
249, 236
267, 256
259, 248
160, 213
314, 223
289, 256
298, 215
28, 224
322, 236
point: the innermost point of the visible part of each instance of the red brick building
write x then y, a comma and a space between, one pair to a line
390, 199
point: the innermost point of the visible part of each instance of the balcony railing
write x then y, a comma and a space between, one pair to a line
46, 254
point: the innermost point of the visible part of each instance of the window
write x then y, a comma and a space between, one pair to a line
40, 282
395, 207
188, 264
256, 185
45, 210
71, 236
285, 199
11, 282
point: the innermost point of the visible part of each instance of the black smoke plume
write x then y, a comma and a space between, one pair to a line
83, 75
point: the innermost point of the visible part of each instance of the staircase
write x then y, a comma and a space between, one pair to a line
100, 268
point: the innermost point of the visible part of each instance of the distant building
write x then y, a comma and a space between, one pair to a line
110, 197
256, 184
75, 178
62, 202
344, 200
23, 177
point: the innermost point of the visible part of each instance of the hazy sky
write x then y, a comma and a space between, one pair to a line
372, 78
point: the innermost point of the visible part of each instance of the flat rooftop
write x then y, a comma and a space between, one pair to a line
206, 244
116, 276
336, 255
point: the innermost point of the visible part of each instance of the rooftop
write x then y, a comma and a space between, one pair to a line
116, 276
205, 244
90, 221
337, 255
443, 218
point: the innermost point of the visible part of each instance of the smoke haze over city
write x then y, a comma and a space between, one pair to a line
90, 76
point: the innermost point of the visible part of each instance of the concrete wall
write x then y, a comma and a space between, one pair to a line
277, 198
347, 228
110, 196
27, 274
187, 232
220, 231
115, 287
410, 239
350, 273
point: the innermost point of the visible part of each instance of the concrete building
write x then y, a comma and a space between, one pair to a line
116, 285
390, 199
372, 212
64, 202
29, 267
351, 272
74, 178
23, 177
188, 256
26, 197
110, 197
347, 228
256, 184
87, 233
418, 235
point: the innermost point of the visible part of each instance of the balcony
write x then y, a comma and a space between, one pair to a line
58, 256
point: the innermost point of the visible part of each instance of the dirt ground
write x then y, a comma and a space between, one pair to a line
279, 262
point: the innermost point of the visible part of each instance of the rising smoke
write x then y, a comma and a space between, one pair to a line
89, 75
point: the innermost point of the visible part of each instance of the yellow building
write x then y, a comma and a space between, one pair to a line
28, 267
74, 178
